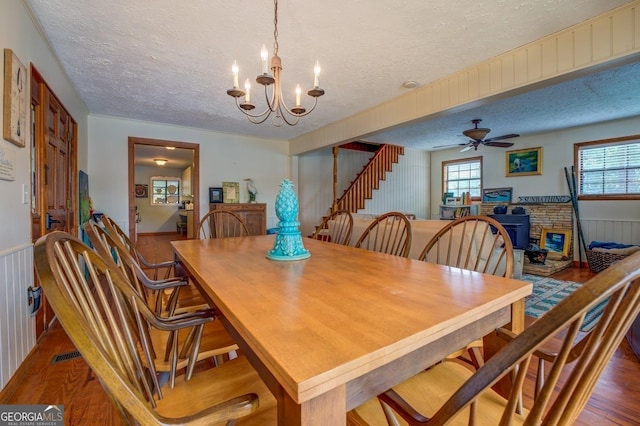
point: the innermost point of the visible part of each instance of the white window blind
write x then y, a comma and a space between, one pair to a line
609, 169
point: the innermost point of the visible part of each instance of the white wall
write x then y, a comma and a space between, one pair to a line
405, 189
17, 328
223, 157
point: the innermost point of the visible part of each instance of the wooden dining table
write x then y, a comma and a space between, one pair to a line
329, 332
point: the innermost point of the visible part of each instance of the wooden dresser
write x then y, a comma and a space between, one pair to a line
254, 214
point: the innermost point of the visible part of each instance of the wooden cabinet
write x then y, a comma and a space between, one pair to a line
254, 214
186, 182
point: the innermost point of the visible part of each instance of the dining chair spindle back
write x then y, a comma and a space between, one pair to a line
389, 233
335, 228
169, 266
476, 243
221, 224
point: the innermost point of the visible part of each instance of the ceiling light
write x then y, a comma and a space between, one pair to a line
410, 84
275, 101
160, 162
170, 148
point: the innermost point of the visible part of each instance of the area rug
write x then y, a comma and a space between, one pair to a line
547, 292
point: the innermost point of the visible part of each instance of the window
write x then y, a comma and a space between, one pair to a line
460, 176
164, 191
608, 169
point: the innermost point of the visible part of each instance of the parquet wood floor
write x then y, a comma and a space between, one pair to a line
616, 400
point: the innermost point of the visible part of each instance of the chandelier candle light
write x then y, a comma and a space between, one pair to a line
275, 101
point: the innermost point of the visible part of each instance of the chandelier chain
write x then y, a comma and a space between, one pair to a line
275, 28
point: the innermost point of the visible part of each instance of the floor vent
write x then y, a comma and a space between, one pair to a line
65, 357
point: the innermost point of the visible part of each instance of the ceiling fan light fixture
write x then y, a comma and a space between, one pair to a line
476, 134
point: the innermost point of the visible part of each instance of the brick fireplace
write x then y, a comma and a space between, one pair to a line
543, 215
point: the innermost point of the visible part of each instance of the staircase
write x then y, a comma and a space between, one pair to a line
369, 178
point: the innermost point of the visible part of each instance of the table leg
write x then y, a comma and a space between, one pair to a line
326, 409
492, 343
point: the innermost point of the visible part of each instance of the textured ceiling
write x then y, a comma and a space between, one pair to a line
169, 62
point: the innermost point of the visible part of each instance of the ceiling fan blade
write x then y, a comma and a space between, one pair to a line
450, 145
466, 148
498, 144
499, 138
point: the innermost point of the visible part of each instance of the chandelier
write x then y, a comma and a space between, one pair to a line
274, 99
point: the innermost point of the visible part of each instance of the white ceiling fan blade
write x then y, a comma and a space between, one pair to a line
449, 145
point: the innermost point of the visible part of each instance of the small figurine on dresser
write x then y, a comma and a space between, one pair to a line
252, 190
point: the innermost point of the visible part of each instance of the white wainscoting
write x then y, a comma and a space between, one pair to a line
17, 327
611, 230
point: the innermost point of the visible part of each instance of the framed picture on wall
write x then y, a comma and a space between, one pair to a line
15, 99
497, 195
142, 190
524, 162
215, 195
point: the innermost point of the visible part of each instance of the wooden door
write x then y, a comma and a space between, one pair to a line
54, 203
59, 215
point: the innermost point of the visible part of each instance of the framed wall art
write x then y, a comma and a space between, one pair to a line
556, 241
15, 99
215, 195
142, 190
524, 162
497, 195
231, 192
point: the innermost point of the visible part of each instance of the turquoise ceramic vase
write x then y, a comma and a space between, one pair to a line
288, 244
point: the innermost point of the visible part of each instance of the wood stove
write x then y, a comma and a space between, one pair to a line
517, 226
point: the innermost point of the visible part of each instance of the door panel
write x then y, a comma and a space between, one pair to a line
57, 168
54, 170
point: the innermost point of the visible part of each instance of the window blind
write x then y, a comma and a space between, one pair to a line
609, 169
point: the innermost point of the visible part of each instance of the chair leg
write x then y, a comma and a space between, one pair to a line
194, 352
174, 362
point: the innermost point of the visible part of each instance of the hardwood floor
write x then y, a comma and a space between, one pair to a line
616, 400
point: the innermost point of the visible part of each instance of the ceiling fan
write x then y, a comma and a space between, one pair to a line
477, 135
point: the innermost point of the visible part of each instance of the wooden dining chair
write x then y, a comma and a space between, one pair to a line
335, 228
168, 266
476, 243
445, 391
221, 224
389, 233
184, 346
153, 291
108, 322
